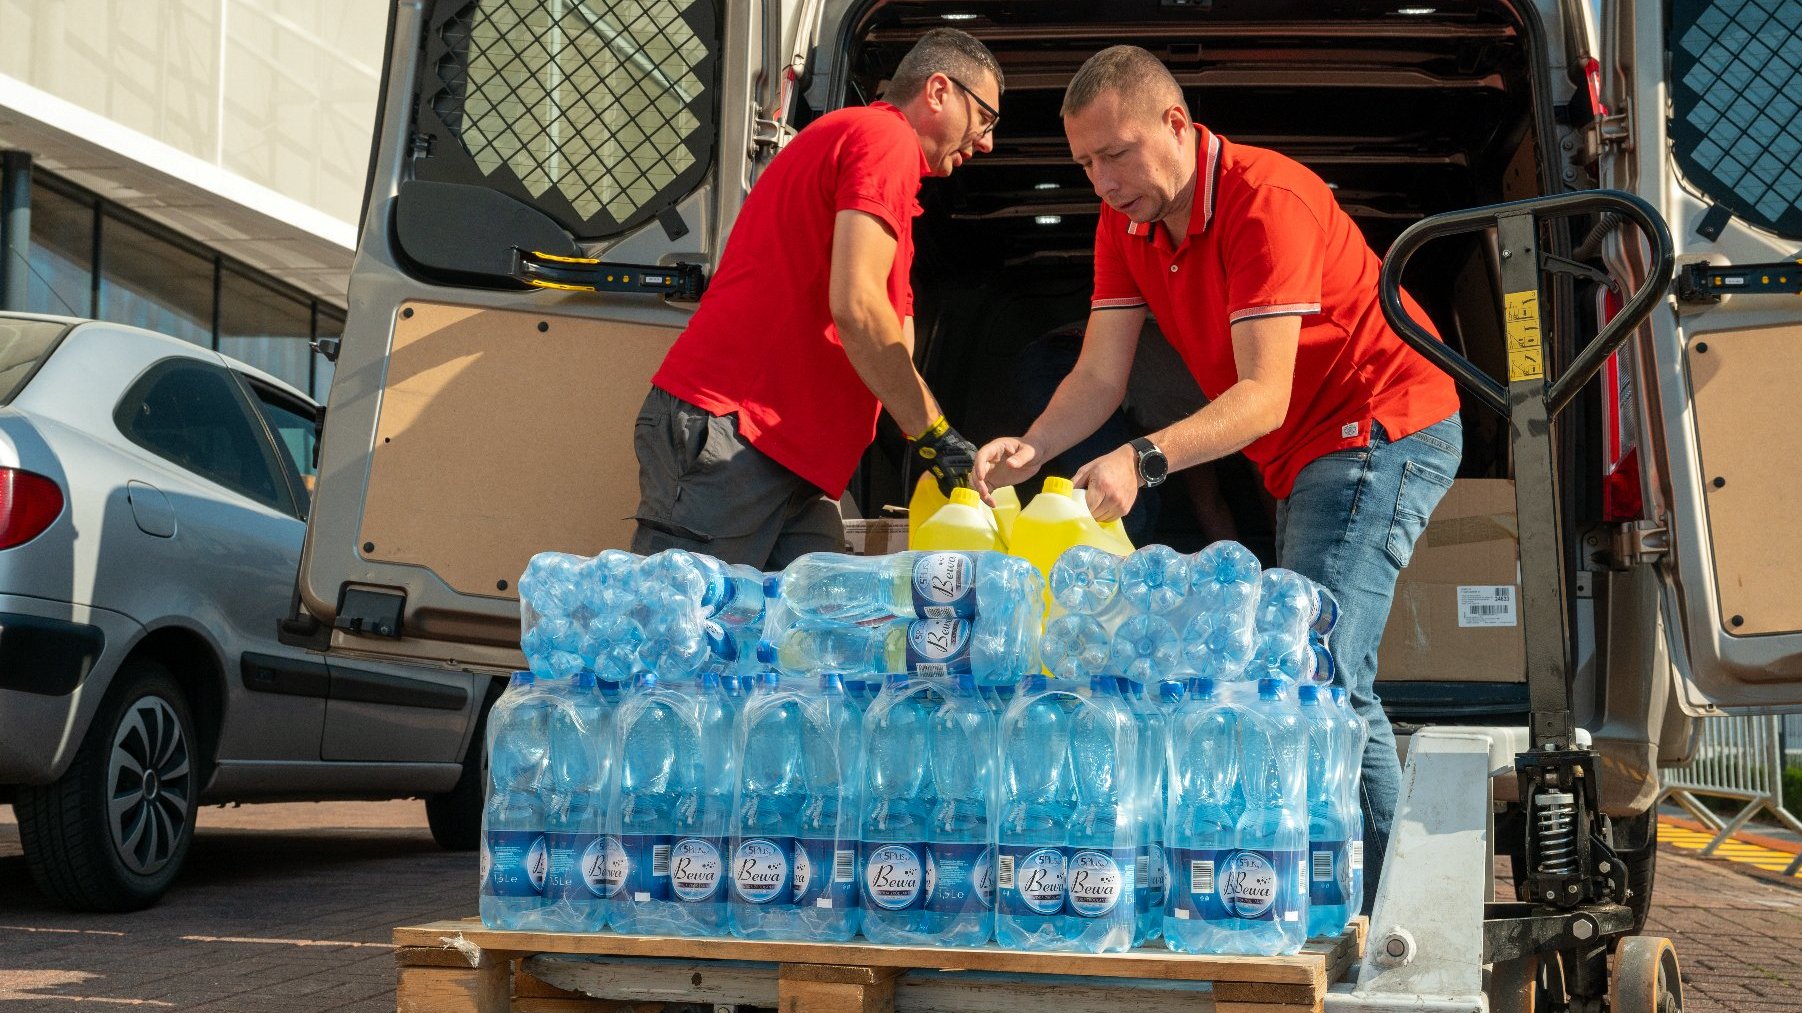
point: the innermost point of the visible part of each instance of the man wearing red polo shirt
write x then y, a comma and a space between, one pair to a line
1269, 293
761, 409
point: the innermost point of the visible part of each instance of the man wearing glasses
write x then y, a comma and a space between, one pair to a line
765, 403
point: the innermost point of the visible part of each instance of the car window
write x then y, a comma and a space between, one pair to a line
23, 345
296, 436
192, 414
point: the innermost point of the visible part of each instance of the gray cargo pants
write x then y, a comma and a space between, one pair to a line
704, 489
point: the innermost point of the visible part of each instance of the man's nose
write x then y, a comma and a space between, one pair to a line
986, 141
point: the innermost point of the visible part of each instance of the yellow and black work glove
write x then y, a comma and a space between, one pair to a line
947, 455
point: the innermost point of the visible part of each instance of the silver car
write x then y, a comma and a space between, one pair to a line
153, 500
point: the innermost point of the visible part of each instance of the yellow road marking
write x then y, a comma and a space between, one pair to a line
1734, 850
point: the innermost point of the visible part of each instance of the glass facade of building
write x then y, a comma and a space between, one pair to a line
90, 258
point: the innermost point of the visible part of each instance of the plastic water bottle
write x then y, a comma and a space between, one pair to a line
1204, 762
925, 647
658, 775
1004, 644
960, 867
1264, 884
1155, 579
677, 639
1224, 578
730, 595
575, 808
1085, 579
926, 585
1145, 648
1103, 845
898, 801
1219, 643
826, 852
513, 848
1286, 602
1075, 647
1170, 698
698, 844
552, 584
1353, 733
766, 809
1329, 861
1038, 799
1150, 868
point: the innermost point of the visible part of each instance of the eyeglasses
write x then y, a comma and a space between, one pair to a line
994, 114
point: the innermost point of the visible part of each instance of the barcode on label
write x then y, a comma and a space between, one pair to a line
931, 670
1323, 866
938, 612
844, 866
1005, 872
1486, 605
1142, 868
1357, 856
660, 860
1201, 876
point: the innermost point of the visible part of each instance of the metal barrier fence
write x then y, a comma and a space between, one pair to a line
1792, 740
1738, 758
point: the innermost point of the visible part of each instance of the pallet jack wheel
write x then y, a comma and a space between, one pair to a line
1646, 977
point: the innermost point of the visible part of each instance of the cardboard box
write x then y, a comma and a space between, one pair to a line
875, 536
1456, 616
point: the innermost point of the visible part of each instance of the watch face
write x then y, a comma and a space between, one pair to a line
1153, 465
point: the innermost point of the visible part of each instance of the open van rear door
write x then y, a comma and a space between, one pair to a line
551, 182
1703, 119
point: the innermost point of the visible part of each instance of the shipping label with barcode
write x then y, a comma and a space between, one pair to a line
1486, 605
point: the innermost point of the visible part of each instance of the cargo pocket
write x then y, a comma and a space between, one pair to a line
1420, 491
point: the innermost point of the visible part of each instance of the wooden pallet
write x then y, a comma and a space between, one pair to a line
458, 966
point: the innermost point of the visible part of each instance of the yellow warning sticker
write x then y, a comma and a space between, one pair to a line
1524, 360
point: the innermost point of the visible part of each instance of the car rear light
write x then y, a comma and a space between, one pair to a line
1621, 500
29, 504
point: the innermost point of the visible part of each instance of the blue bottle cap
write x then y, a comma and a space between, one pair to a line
832, 683
772, 585
709, 682
1270, 688
1033, 684
525, 678
584, 679
769, 680
894, 678
1170, 689
1308, 694
963, 684
1339, 696
1201, 688
646, 680
766, 653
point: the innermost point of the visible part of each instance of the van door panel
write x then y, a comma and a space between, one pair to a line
1715, 413
495, 421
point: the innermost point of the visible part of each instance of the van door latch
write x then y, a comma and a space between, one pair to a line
586, 274
1703, 282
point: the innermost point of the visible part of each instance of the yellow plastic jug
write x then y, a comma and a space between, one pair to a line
1051, 523
1120, 544
1007, 507
927, 500
964, 523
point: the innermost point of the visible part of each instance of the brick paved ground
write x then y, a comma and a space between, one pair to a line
288, 908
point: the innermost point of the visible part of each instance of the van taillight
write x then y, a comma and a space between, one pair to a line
1621, 500
28, 505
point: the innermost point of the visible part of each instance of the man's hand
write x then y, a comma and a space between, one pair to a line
945, 453
1112, 481
1002, 462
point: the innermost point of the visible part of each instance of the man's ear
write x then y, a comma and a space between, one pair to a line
938, 89
1177, 119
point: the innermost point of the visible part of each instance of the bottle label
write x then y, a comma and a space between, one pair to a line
937, 648
1157, 882
959, 878
1197, 889
1357, 855
1263, 886
695, 867
604, 867
513, 863
826, 874
1029, 879
1329, 873
1097, 879
760, 870
894, 876
565, 865
647, 867
945, 585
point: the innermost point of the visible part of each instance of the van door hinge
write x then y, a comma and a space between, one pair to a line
1637, 543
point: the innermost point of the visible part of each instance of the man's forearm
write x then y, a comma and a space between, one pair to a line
1081, 404
1242, 414
874, 342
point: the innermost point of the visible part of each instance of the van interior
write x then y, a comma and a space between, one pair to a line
1406, 111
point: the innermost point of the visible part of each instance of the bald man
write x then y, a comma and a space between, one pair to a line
1268, 291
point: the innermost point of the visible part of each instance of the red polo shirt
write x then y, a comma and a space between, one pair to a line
762, 343
1267, 239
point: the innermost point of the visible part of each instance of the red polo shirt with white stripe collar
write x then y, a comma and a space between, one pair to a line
1267, 238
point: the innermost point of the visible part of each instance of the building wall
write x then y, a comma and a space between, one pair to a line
280, 92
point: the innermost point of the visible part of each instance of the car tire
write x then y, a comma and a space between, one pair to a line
455, 816
112, 833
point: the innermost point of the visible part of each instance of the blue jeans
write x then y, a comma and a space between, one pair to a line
1350, 523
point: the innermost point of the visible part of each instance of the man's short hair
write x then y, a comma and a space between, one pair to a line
944, 51
1128, 70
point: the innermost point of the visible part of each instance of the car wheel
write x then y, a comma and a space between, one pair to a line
455, 816
112, 833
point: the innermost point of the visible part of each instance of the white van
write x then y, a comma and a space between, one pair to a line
483, 410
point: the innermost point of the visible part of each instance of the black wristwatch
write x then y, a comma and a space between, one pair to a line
1154, 467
